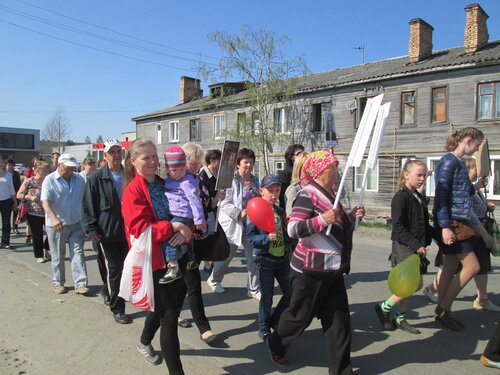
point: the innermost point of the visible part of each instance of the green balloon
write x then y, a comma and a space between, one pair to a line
405, 277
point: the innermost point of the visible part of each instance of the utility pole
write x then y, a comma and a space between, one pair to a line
362, 49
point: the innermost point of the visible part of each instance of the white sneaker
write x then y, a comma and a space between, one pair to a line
215, 286
488, 305
433, 297
255, 294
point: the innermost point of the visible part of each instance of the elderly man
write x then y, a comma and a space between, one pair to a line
62, 193
103, 221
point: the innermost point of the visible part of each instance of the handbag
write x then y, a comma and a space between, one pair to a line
214, 247
22, 212
492, 229
136, 285
462, 229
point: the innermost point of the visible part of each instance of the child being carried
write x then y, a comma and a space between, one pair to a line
182, 191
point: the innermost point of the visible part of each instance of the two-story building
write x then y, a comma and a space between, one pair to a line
432, 93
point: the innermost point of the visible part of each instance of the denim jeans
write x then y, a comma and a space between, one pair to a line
57, 241
172, 253
269, 270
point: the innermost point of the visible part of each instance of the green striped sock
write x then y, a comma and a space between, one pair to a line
387, 305
400, 316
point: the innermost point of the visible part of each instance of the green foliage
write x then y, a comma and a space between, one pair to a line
87, 140
257, 57
99, 139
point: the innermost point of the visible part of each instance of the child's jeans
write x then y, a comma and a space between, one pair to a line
270, 269
173, 253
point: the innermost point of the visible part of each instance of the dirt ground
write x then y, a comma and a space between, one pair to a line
44, 333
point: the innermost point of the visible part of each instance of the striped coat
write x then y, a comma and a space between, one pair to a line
316, 253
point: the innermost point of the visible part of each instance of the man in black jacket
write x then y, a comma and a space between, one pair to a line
102, 220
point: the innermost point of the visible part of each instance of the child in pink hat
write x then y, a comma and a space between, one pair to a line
182, 191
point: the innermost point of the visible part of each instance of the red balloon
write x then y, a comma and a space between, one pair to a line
261, 213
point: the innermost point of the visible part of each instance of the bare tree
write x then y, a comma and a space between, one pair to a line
257, 57
57, 128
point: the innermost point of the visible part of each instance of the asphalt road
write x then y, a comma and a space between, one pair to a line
82, 328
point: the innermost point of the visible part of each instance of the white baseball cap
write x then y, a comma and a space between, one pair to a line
68, 160
111, 143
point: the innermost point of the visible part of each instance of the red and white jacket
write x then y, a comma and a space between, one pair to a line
138, 214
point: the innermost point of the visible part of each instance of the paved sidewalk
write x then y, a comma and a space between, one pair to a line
70, 334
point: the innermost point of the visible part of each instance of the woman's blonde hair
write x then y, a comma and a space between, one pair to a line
297, 166
193, 151
135, 150
407, 167
458, 136
39, 165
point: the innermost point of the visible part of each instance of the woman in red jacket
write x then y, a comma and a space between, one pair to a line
144, 203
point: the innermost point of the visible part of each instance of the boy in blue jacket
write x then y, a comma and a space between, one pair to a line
271, 256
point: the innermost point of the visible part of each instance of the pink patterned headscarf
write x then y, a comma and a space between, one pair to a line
315, 164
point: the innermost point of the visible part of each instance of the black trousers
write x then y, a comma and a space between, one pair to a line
167, 297
325, 298
114, 255
492, 350
192, 279
36, 223
6, 211
101, 265
14, 217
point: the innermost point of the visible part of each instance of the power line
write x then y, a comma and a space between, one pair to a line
94, 35
98, 49
199, 54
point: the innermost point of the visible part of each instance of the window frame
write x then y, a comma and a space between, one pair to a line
198, 136
220, 134
357, 184
316, 118
403, 107
280, 121
430, 183
158, 133
172, 136
433, 101
276, 165
491, 179
495, 101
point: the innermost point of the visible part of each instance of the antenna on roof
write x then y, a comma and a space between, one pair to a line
362, 49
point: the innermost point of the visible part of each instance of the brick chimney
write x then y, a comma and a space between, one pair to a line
189, 89
476, 31
420, 40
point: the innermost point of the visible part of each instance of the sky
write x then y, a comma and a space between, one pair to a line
105, 62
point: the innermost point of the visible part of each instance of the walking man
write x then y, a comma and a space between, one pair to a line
62, 193
103, 221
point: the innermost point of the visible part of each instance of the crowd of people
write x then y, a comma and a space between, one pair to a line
114, 203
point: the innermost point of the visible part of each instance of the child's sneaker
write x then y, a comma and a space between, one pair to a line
173, 273
192, 265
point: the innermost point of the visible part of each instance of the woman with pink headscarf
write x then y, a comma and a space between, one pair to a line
318, 265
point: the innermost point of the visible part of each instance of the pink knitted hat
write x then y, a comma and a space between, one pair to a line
175, 157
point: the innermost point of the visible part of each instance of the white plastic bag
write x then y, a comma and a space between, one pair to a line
136, 285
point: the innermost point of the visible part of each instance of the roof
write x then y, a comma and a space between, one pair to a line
439, 61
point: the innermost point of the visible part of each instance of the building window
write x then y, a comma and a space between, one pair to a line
173, 131
195, 130
316, 117
256, 124
279, 166
241, 123
371, 178
280, 121
493, 188
408, 108
219, 126
439, 104
158, 133
17, 141
430, 187
489, 101
358, 112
